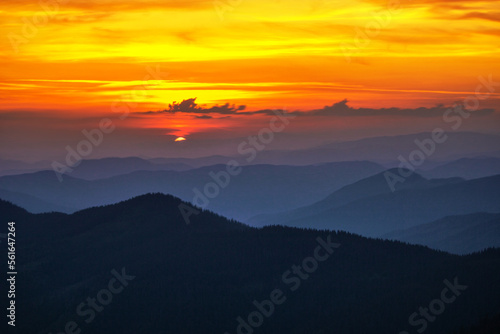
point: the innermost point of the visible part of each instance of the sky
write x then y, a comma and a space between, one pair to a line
66, 65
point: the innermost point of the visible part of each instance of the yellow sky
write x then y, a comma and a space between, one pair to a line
86, 55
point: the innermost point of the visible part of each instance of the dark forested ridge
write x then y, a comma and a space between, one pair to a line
199, 278
487, 325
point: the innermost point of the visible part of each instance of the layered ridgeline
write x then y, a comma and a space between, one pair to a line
254, 189
137, 267
455, 234
467, 168
369, 206
93, 169
384, 150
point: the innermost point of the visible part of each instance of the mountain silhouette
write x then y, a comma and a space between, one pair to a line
370, 208
467, 168
257, 189
455, 234
201, 277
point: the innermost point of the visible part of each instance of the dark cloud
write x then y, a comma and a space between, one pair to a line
340, 108
343, 109
191, 107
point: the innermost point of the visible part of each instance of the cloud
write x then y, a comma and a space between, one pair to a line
340, 108
190, 106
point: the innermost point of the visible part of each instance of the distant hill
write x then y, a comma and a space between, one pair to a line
13, 167
194, 162
257, 189
200, 278
108, 167
34, 204
385, 150
93, 169
370, 186
467, 168
455, 234
381, 149
369, 208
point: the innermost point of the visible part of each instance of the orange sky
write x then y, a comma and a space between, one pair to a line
81, 57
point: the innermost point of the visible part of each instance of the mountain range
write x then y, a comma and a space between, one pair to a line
383, 150
467, 168
462, 234
256, 189
370, 208
214, 274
